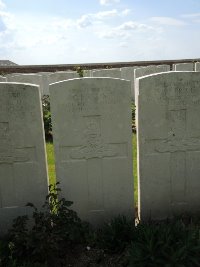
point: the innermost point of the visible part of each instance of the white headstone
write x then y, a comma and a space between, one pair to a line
127, 73
139, 72
31, 78
13, 74
62, 76
183, 67
197, 66
87, 73
113, 73
144, 71
3, 79
93, 148
168, 144
23, 170
45, 81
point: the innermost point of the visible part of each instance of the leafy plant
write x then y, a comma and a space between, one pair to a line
115, 235
55, 230
169, 244
80, 71
4, 252
133, 117
2, 73
47, 117
109, 67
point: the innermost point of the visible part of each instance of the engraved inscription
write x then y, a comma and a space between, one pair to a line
10, 154
92, 151
16, 105
25, 154
177, 144
171, 145
6, 150
3, 130
9, 157
177, 122
79, 101
93, 146
176, 140
178, 96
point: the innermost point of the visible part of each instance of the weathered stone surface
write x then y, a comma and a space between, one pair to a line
11, 74
93, 146
3, 79
45, 81
87, 73
197, 66
114, 73
168, 144
23, 171
127, 73
183, 67
139, 72
31, 78
61, 76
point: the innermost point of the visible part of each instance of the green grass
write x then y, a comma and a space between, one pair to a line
134, 146
51, 165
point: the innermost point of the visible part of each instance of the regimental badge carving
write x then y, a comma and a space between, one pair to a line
93, 144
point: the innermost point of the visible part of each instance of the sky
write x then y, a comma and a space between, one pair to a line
89, 31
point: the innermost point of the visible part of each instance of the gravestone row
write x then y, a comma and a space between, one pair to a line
128, 73
93, 147
183, 67
92, 137
45, 79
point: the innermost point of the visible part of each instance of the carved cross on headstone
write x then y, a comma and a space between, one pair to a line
93, 151
178, 143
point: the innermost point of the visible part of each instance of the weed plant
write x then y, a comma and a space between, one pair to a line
80, 71
166, 244
115, 235
133, 117
54, 230
47, 117
45, 239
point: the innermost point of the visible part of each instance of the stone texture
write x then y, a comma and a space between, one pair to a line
31, 78
183, 67
93, 146
139, 72
23, 171
87, 73
45, 81
113, 73
3, 79
61, 76
127, 73
12, 74
168, 144
197, 66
